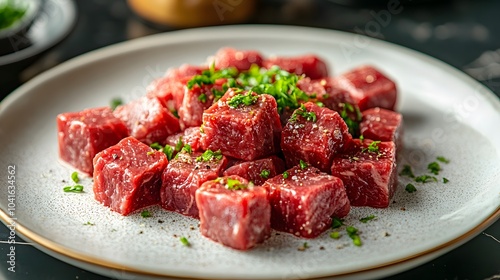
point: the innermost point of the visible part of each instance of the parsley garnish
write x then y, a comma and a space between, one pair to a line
208, 155
303, 247
10, 14
156, 146
185, 241
175, 113
443, 159
302, 111
202, 98
234, 184
208, 77
285, 175
336, 222
146, 214
242, 99
186, 149
352, 232
74, 177
366, 219
335, 235
179, 145
372, 148
167, 150
73, 189
445, 180
407, 171
410, 188
425, 179
89, 224
352, 124
434, 168
115, 102
265, 173
303, 164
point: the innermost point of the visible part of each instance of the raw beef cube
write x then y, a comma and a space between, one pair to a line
190, 136
169, 91
243, 131
315, 135
196, 101
368, 88
322, 91
127, 176
310, 65
257, 171
368, 171
83, 134
184, 71
147, 120
241, 60
384, 125
183, 176
234, 212
303, 200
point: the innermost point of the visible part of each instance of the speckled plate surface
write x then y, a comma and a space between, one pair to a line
446, 113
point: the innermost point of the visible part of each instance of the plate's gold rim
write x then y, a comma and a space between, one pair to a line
81, 257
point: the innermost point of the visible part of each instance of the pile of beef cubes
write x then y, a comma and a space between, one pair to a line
244, 168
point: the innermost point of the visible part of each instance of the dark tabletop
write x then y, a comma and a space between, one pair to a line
464, 34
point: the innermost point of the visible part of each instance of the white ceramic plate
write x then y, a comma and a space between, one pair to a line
446, 113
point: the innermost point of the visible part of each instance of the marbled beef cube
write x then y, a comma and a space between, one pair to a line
196, 101
309, 65
147, 120
384, 125
240, 59
243, 131
127, 176
369, 172
314, 134
257, 171
81, 135
183, 176
169, 91
368, 88
303, 200
322, 91
234, 212
190, 136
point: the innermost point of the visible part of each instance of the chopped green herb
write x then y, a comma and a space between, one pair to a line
115, 102
445, 180
366, 219
320, 104
209, 76
89, 224
285, 175
156, 146
175, 113
209, 155
242, 99
233, 184
352, 123
185, 241
302, 111
336, 222
146, 214
407, 171
303, 247
74, 177
410, 188
352, 232
443, 159
434, 168
187, 149
9, 14
202, 98
372, 148
168, 151
179, 145
303, 164
335, 235
425, 179
74, 189
265, 173
361, 138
